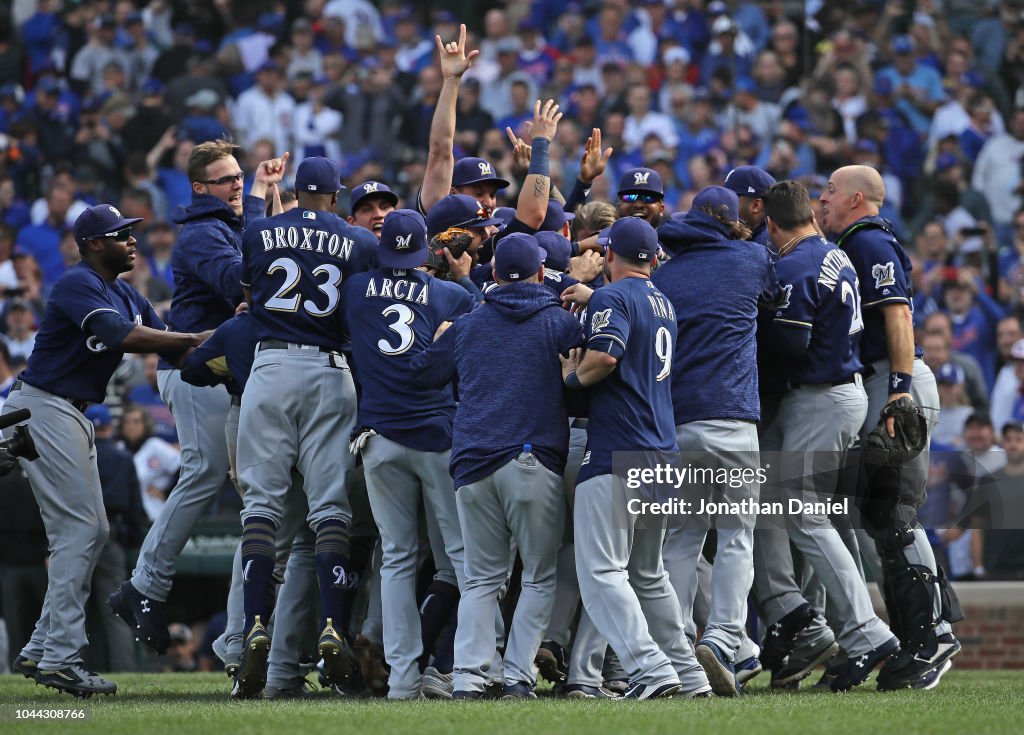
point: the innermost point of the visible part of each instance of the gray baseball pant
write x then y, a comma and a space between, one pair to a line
732, 445
66, 485
625, 588
200, 415
297, 412
815, 427
527, 505
396, 479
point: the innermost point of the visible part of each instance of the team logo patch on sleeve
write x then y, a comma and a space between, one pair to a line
884, 275
783, 303
600, 320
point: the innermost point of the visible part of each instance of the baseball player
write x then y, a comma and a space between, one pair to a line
715, 281
298, 408
392, 313
207, 264
625, 588
749, 184
919, 602
369, 204
816, 334
508, 455
91, 320
471, 176
642, 194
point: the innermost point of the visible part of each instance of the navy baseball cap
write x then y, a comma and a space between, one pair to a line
558, 250
555, 217
370, 189
403, 240
749, 181
717, 198
475, 171
602, 236
950, 373
458, 210
634, 238
641, 179
99, 415
102, 220
505, 214
318, 175
517, 257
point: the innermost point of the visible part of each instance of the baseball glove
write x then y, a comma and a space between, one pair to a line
911, 428
457, 240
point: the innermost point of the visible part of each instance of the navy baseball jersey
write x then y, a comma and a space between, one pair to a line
295, 264
392, 316
883, 270
631, 409
225, 357
821, 293
554, 281
85, 320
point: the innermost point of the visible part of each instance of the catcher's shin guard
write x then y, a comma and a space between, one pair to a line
910, 589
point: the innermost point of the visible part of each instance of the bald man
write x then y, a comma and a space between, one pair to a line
919, 602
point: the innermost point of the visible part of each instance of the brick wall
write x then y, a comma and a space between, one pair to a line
992, 632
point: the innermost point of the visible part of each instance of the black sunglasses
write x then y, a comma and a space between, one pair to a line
647, 197
121, 235
224, 179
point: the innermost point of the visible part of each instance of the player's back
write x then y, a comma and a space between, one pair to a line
822, 291
295, 264
391, 316
631, 409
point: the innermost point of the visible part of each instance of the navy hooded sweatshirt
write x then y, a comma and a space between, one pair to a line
510, 380
715, 285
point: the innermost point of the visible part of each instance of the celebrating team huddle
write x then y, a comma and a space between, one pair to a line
485, 393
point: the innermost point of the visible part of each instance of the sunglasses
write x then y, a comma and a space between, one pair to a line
647, 197
223, 180
121, 235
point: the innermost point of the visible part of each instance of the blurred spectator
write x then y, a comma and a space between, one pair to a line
643, 121
156, 462
1007, 391
918, 87
317, 127
496, 97
87, 67
147, 395
998, 181
123, 504
181, 655
265, 110
372, 107
937, 343
953, 407
19, 329
727, 52
7, 374
160, 241
23, 557
472, 120
305, 56
974, 315
363, 26
997, 510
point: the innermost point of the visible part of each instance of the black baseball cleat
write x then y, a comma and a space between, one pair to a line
858, 668
585, 691
781, 636
25, 666
341, 665
467, 694
651, 691
251, 675
905, 670
519, 690
796, 670
145, 616
76, 681
552, 661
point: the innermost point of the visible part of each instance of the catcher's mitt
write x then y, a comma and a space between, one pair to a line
457, 240
911, 428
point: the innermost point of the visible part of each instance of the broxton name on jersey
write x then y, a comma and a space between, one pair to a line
294, 264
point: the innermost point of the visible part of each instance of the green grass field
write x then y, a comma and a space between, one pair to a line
162, 704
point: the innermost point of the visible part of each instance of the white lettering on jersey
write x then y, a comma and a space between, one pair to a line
600, 320
401, 289
884, 275
302, 238
831, 265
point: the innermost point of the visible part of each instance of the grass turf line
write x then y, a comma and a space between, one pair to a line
168, 704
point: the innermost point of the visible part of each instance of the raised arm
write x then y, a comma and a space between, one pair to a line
437, 179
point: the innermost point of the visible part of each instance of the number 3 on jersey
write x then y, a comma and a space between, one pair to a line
402, 326
280, 301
